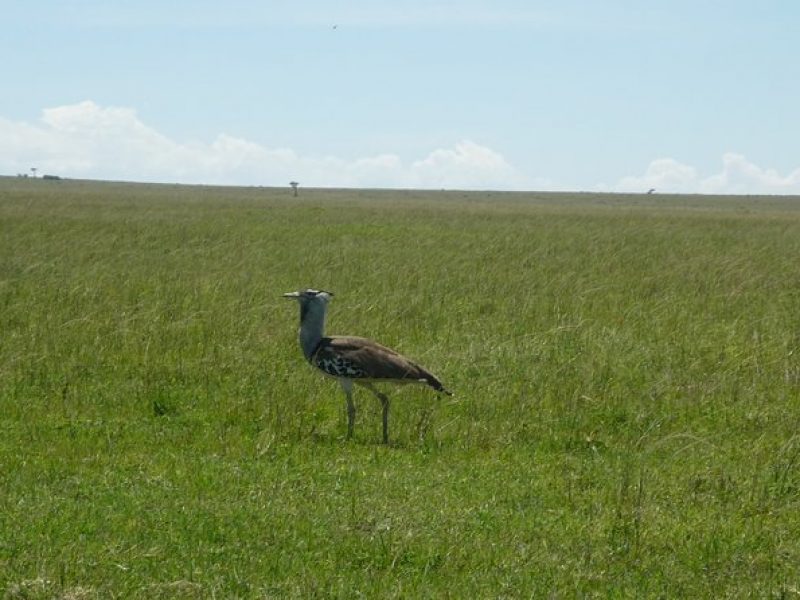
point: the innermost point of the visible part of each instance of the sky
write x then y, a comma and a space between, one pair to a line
682, 96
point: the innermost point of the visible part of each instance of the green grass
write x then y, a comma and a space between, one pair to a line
625, 421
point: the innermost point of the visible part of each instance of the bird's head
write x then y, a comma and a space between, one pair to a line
311, 302
309, 296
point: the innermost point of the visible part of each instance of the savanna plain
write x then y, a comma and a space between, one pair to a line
625, 420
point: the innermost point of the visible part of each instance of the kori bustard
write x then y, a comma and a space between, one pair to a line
354, 359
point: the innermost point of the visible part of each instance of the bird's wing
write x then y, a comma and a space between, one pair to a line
361, 358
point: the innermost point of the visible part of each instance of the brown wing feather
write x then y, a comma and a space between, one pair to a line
377, 361
366, 359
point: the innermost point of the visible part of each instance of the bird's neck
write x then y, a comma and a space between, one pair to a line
312, 328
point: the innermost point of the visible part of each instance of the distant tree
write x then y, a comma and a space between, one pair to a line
294, 185
651, 190
33, 170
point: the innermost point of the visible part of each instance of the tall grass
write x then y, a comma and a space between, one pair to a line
625, 419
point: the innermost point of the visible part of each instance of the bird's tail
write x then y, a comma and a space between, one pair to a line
432, 381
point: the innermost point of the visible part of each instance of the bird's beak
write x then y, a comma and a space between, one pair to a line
291, 295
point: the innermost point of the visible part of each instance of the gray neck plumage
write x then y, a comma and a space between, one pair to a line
312, 327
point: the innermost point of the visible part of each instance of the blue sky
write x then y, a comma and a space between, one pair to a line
574, 95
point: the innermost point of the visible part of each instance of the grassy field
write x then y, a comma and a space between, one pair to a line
625, 420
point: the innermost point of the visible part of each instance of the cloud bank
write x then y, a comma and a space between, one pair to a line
738, 176
85, 140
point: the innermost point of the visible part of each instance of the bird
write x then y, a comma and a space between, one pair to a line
354, 360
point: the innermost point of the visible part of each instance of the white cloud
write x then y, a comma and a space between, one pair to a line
91, 141
738, 176
468, 162
663, 174
85, 140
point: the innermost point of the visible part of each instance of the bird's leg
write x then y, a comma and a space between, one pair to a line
385, 404
351, 415
347, 386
